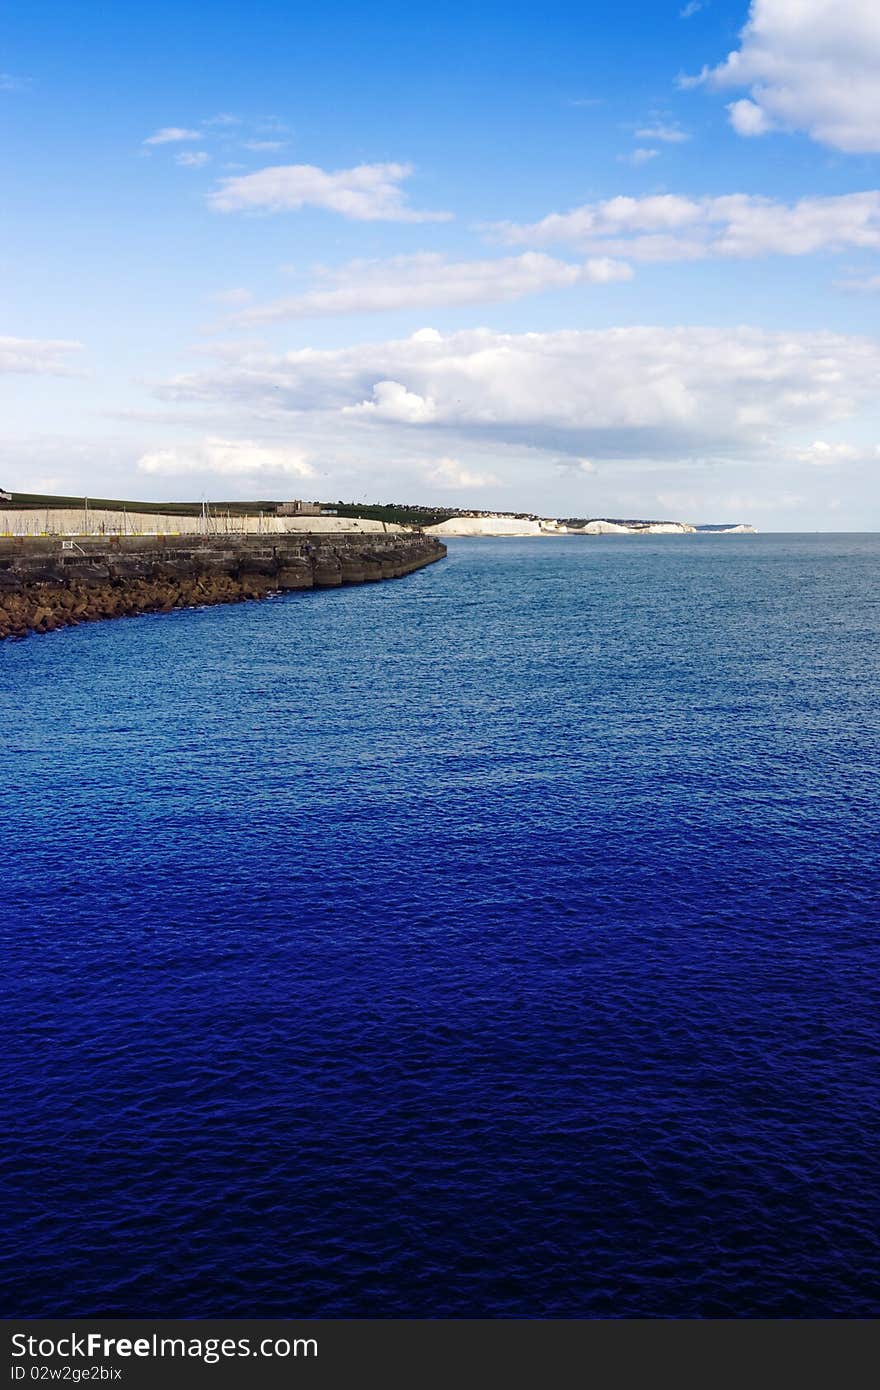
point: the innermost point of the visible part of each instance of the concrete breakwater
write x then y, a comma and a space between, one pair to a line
47, 583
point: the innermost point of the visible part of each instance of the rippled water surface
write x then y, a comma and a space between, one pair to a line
502, 940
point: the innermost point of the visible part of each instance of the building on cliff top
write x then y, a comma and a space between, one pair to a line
303, 509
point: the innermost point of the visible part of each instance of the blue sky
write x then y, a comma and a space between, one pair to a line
577, 259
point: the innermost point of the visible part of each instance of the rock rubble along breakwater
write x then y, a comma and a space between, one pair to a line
49, 582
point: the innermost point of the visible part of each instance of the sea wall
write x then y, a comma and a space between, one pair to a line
47, 582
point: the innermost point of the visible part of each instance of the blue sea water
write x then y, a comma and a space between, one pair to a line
498, 941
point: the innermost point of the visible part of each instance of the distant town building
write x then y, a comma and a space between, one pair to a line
297, 508
5, 496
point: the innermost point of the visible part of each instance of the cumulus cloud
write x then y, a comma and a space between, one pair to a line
194, 159
392, 401
227, 458
449, 473
666, 226
430, 279
808, 65
748, 118
172, 135
628, 392
366, 193
46, 356
263, 144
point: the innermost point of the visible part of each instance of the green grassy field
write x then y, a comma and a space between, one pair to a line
400, 513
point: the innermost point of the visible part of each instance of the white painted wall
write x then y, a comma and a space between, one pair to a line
72, 521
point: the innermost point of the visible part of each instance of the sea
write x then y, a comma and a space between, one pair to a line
501, 941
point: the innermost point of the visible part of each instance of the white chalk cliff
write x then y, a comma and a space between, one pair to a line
500, 524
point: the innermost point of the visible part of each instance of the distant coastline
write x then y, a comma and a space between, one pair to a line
35, 515
509, 524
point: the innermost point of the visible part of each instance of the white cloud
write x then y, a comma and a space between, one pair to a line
233, 297
639, 156
430, 279
747, 118
172, 135
224, 118
612, 393
668, 134
263, 144
821, 454
9, 82
227, 458
195, 159
44, 484
43, 356
732, 507
808, 65
391, 401
690, 9
449, 473
574, 467
869, 284
367, 193
666, 226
